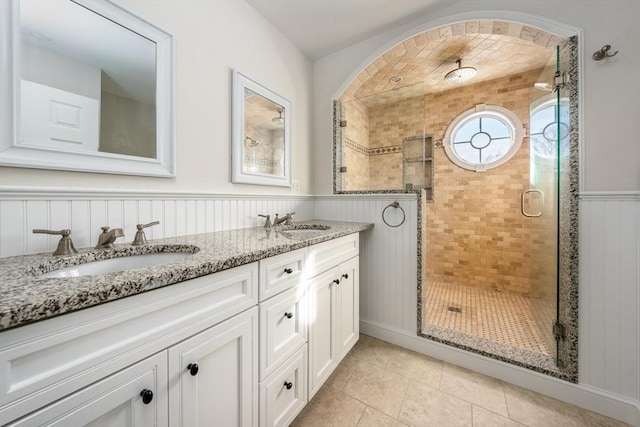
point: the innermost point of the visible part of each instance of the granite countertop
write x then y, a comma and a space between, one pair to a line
27, 297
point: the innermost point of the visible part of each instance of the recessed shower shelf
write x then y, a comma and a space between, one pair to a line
419, 159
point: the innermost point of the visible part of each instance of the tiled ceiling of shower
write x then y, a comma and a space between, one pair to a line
495, 48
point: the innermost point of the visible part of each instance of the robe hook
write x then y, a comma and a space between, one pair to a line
603, 53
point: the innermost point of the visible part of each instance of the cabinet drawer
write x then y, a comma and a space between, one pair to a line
48, 360
284, 393
116, 400
281, 272
326, 255
283, 328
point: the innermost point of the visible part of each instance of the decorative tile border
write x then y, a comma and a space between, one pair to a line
376, 151
262, 162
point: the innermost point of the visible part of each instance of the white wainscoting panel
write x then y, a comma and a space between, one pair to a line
85, 213
388, 256
609, 334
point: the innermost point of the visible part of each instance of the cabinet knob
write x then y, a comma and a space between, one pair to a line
345, 276
193, 369
288, 315
288, 385
336, 281
288, 270
147, 396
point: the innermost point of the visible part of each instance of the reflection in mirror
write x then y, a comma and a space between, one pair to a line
264, 135
93, 86
381, 144
261, 143
103, 96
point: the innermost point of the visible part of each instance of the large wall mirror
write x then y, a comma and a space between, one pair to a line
261, 134
88, 87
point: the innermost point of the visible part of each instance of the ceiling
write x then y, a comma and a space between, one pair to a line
495, 48
322, 27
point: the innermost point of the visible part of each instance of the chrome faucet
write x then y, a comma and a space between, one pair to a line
286, 219
65, 245
107, 237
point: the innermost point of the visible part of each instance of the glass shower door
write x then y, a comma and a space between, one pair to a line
549, 135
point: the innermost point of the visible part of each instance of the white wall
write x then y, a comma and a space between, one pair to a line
211, 38
611, 90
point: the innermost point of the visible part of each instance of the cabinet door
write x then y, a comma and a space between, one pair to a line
223, 389
115, 401
322, 329
347, 291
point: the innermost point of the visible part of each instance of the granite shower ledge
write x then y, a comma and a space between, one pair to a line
28, 298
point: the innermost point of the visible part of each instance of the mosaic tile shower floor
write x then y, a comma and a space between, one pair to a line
501, 317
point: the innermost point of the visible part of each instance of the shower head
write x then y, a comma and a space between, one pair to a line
460, 74
278, 120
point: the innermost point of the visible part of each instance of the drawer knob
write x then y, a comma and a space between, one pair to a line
336, 281
147, 396
288, 270
345, 276
288, 385
288, 315
193, 369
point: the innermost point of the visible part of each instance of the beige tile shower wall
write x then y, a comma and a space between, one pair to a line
357, 178
389, 125
357, 132
476, 234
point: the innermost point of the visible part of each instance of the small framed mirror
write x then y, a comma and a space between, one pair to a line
88, 86
260, 134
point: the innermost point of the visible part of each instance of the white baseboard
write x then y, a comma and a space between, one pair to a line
584, 396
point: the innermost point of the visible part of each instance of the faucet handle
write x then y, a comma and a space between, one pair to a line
65, 245
141, 226
267, 223
289, 218
140, 238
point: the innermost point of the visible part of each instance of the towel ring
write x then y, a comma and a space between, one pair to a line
394, 205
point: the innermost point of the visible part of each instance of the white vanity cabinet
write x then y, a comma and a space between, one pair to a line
333, 308
242, 347
66, 357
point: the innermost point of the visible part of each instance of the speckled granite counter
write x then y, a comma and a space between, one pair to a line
26, 297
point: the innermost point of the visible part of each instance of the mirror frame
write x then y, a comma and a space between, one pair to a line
15, 154
239, 84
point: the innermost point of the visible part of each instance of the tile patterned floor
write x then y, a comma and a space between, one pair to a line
501, 317
380, 384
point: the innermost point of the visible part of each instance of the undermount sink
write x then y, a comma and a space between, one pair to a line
305, 228
114, 265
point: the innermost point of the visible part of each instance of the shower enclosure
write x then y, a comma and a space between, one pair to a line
494, 286
497, 268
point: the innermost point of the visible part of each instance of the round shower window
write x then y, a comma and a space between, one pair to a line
483, 137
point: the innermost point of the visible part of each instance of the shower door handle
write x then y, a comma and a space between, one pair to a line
541, 203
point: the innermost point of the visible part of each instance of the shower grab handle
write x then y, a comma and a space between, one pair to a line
522, 198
